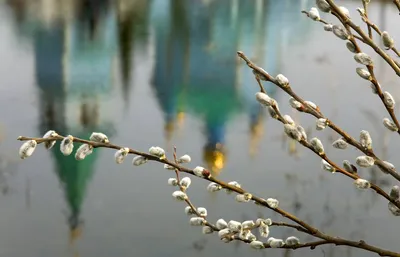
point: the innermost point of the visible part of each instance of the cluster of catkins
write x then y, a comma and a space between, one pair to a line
229, 231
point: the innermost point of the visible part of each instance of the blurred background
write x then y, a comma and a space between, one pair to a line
165, 72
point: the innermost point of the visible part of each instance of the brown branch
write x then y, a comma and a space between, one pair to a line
397, 3
318, 114
347, 21
260, 201
365, 5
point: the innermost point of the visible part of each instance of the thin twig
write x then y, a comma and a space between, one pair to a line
397, 3
260, 201
365, 5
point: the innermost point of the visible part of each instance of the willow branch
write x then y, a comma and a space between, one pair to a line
327, 239
318, 114
397, 3
347, 21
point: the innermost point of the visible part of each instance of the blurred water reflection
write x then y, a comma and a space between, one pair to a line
93, 65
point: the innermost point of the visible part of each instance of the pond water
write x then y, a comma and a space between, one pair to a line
165, 72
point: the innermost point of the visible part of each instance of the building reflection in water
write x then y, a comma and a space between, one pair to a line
197, 71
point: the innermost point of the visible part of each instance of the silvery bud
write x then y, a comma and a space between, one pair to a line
302, 132
311, 104
223, 233
184, 159
393, 209
272, 203
340, 144
120, 155
345, 11
201, 172
363, 73
67, 145
197, 221
323, 6
139, 160
294, 103
292, 132
221, 224
363, 58
207, 230
83, 151
234, 226
169, 167
365, 161
243, 198
365, 139
389, 100
390, 125
389, 166
288, 119
248, 224
349, 167
157, 151
395, 192
264, 230
50, 144
245, 234
172, 182
328, 27
179, 195
362, 183
272, 112
257, 244
340, 32
189, 211
317, 145
276, 243
387, 40
264, 99
282, 80
321, 123
314, 14
326, 166
262, 222
27, 149
185, 182
292, 241
351, 47
99, 137
202, 211
259, 75
213, 187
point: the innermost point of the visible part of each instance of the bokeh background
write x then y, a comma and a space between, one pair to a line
165, 72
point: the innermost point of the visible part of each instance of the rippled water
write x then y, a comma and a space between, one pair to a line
165, 73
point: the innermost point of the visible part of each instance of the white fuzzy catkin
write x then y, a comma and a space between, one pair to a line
390, 125
282, 80
393, 209
363, 58
345, 11
83, 151
349, 167
302, 132
184, 159
314, 14
288, 119
292, 132
27, 149
272, 203
157, 151
213, 187
99, 137
49, 144
139, 160
321, 123
257, 245
185, 182
248, 224
323, 6
276, 243
387, 40
292, 241
197, 221
351, 47
234, 226
365, 161
179, 195
169, 167
120, 155
317, 145
363, 73
395, 192
340, 32
243, 198
207, 230
340, 144
198, 171
264, 230
362, 183
294, 103
67, 145
264, 99
389, 100
221, 224
202, 211
172, 182
365, 139
326, 166
328, 27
